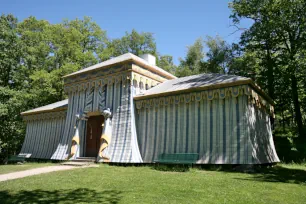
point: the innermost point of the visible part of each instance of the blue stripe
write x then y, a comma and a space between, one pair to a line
217, 126
205, 149
118, 120
84, 128
35, 139
175, 128
165, 129
155, 135
187, 127
71, 126
130, 159
199, 128
44, 134
170, 130
146, 135
238, 131
211, 132
245, 100
231, 156
105, 86
92, 99
113, 90
224, 133
127, 127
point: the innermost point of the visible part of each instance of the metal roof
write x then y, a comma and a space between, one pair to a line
124, 58
201, 80
48, 108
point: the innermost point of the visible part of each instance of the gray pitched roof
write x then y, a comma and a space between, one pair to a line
195, 81
49, 107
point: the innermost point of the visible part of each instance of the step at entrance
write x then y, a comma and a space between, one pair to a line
73, 163
81, 161
85, 159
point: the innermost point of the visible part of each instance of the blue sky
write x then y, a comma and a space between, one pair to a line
175, 24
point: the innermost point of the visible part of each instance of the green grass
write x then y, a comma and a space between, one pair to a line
115, 184
4, 169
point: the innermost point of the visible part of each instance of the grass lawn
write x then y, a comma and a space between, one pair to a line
5, 169
115, 184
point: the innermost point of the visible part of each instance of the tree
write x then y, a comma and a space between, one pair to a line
193, 63
9, 49
134, 42
166, 62
279, 31
219, 55
34, 56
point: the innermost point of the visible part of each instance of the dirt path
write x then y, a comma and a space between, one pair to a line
31, 172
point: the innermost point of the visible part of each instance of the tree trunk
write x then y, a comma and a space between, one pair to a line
270, 75
297, 109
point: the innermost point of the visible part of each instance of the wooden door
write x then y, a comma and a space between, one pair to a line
94, 131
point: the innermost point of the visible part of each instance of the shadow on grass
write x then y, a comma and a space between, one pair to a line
262, 173
171, 167
67, 196
279, 174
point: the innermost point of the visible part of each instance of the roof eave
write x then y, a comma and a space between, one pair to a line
43, 111
138, 62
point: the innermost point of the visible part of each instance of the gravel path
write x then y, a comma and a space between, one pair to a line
31, 172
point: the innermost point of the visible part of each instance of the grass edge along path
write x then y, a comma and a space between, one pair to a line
10, 168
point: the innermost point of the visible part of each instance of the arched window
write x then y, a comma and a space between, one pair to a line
141, 86
135, 84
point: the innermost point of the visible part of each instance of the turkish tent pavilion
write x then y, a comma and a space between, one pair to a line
128, 110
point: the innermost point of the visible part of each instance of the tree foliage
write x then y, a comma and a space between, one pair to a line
35, 55
278, 34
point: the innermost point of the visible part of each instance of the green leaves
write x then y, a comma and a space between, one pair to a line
35, 55
135, 43
278, 39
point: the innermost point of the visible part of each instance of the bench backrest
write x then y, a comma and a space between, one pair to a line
179, 157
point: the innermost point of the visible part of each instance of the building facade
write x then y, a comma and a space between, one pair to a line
128, 110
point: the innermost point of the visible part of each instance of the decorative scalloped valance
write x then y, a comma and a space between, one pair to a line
143, 79
209, 95
98, 82
45, 116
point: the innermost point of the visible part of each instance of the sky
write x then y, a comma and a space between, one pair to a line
174, 24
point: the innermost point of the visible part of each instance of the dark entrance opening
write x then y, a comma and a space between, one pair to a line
93, 134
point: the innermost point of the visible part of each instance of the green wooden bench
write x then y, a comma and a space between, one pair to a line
178, 158
16, 158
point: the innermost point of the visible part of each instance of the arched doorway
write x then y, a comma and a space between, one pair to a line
93, 134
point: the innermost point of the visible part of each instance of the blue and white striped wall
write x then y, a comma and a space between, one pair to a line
43, 133
119, 98
222, 131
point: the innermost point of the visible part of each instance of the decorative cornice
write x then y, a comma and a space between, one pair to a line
126, 58
96, 74
97, 82
45, 116
209, 87
209, 95
148, 73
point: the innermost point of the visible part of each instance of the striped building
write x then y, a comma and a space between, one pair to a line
128, 110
